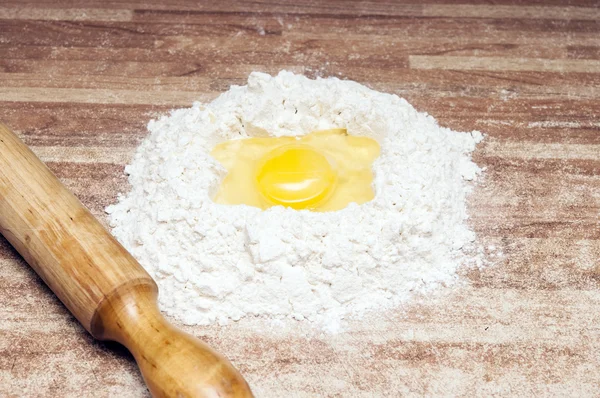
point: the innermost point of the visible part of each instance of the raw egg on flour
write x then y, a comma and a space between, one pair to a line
322, 171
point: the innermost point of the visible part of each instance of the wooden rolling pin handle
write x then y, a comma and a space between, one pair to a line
174, 363
104, 287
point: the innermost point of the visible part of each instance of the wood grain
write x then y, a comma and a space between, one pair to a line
80, 79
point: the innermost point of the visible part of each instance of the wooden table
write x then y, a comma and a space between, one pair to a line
80, 80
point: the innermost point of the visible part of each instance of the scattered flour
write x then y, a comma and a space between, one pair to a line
216, 263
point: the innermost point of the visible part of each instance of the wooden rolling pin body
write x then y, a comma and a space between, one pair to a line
102, 285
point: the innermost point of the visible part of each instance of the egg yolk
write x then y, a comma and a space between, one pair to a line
296, 176
321, 171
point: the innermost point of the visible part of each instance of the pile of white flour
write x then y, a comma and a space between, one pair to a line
216, 263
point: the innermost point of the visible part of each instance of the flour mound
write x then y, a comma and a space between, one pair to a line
216, 263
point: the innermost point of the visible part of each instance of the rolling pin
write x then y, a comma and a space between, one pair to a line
102, 285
